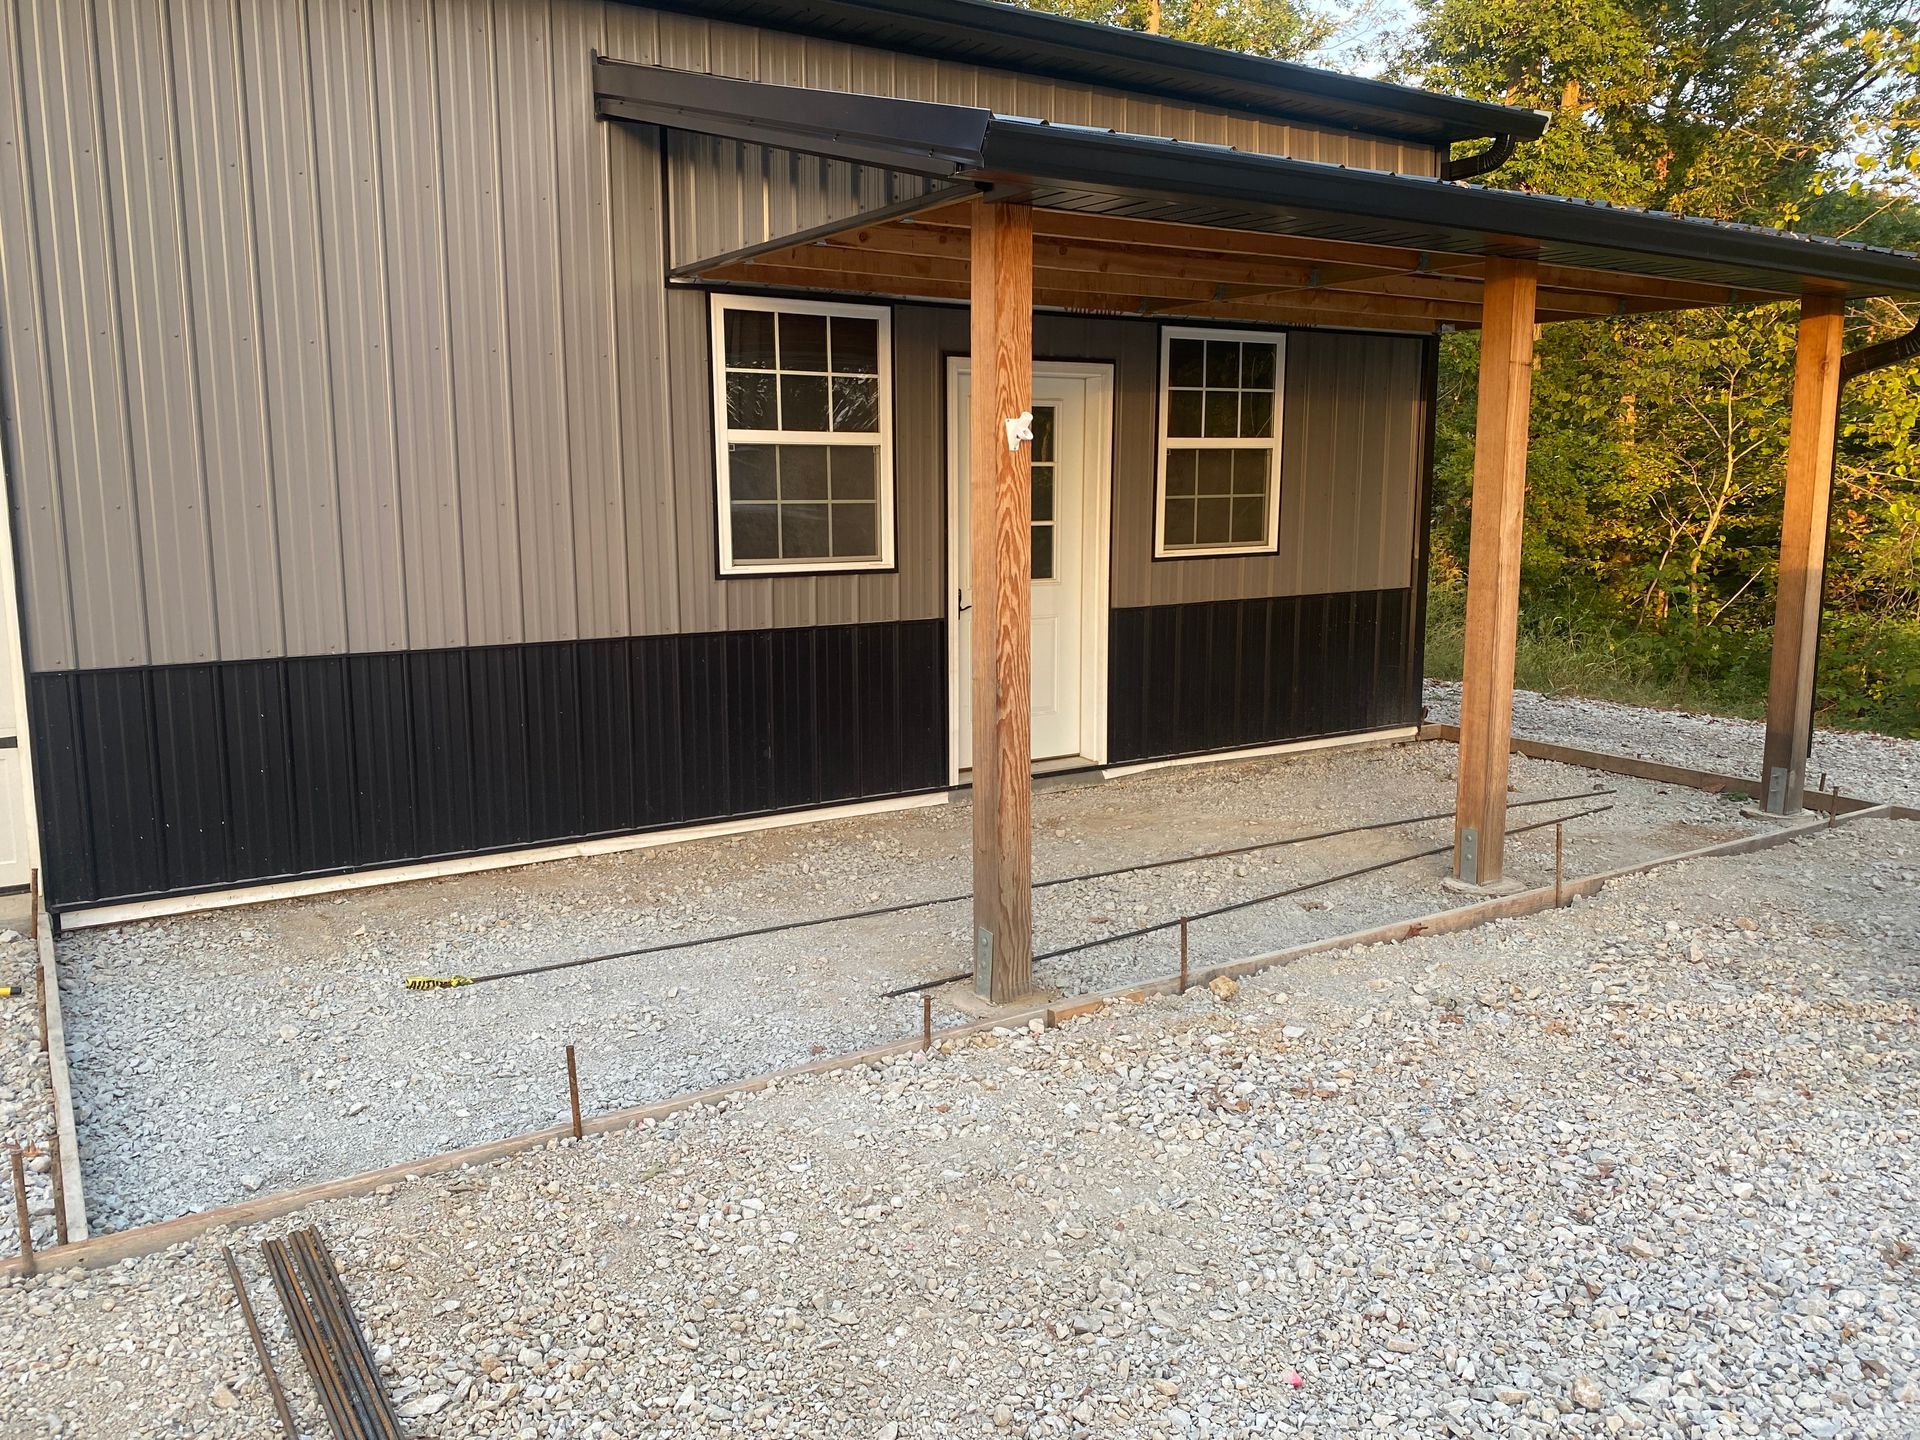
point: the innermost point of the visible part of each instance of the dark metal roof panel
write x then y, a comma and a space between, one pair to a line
1148, 177
1032, 42
1072, 167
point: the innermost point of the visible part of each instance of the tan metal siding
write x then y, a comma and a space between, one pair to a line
339, 325
27, 398
725, 195
1349, 477
355, 288
652, 533
149, 255
286, 237
225, 327
414, 220
92, 514
911, 591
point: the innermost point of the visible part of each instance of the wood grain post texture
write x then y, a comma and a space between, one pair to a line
1001, 538
1493, 569
1803, 546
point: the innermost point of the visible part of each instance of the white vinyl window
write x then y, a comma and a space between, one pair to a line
803, 406
1219, 490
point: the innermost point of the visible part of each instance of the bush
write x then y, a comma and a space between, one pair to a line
1869, 668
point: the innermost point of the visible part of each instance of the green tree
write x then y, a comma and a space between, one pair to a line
1654, 473
1279, 29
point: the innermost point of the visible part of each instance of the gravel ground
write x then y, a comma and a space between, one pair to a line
26, 1094
1643, 1166
253, 1050
1880, 767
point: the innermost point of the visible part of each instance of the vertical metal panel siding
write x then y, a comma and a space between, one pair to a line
724, 195
338, 326
1349, 478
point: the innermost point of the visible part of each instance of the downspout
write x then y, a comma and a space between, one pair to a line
1480, 162
1878, 356
1864, 361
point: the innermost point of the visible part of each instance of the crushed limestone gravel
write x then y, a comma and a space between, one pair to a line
1877, 767
26, 1094
1643, 1166
236, 1053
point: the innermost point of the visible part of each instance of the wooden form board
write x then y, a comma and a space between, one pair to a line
146, 1239
1803, 553
71, 1194
1711, 781
1493, 571
1000, 568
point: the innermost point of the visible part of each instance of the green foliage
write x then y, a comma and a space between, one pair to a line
1276, 28
1869, 666
1654, 475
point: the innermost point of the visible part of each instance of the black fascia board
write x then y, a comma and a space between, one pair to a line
1462, 218
1056, 47
916, 136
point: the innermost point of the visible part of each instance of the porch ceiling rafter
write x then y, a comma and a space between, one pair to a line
925, 255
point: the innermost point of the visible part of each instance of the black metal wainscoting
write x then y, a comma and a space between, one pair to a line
1222, 674
172, 779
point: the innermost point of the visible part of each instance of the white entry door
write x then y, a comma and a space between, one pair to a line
1072, 442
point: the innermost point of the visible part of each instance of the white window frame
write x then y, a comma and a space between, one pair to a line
1270, 542
725, 436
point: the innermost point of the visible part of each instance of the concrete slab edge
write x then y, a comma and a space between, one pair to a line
148, 1239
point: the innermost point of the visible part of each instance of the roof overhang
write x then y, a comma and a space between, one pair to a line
1121, 177
1033, 42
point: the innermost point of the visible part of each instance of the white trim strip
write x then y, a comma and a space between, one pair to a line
474, 864
1256, 752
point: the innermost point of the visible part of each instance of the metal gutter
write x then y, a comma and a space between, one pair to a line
916, 136
1879, 355
1465, 167
1032, 42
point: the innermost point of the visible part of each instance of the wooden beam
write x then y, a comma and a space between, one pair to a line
1493, 570
1803, 553
1079, 301
1001, 539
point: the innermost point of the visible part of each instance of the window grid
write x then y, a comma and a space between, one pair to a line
1042, 560
1219, 418
804, 471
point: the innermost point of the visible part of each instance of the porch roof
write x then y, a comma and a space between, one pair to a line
1259, 234
1034, 42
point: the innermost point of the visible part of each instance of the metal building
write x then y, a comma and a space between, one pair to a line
451, 428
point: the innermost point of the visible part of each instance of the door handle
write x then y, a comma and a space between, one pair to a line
960, 601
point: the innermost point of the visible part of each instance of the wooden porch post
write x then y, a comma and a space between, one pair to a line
1493, 569
1803, 544
1001, 543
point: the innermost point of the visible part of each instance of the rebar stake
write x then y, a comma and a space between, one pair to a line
20, 1208
1183, 954
1559, 853
573, 1090
926, 1021
260, 1346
